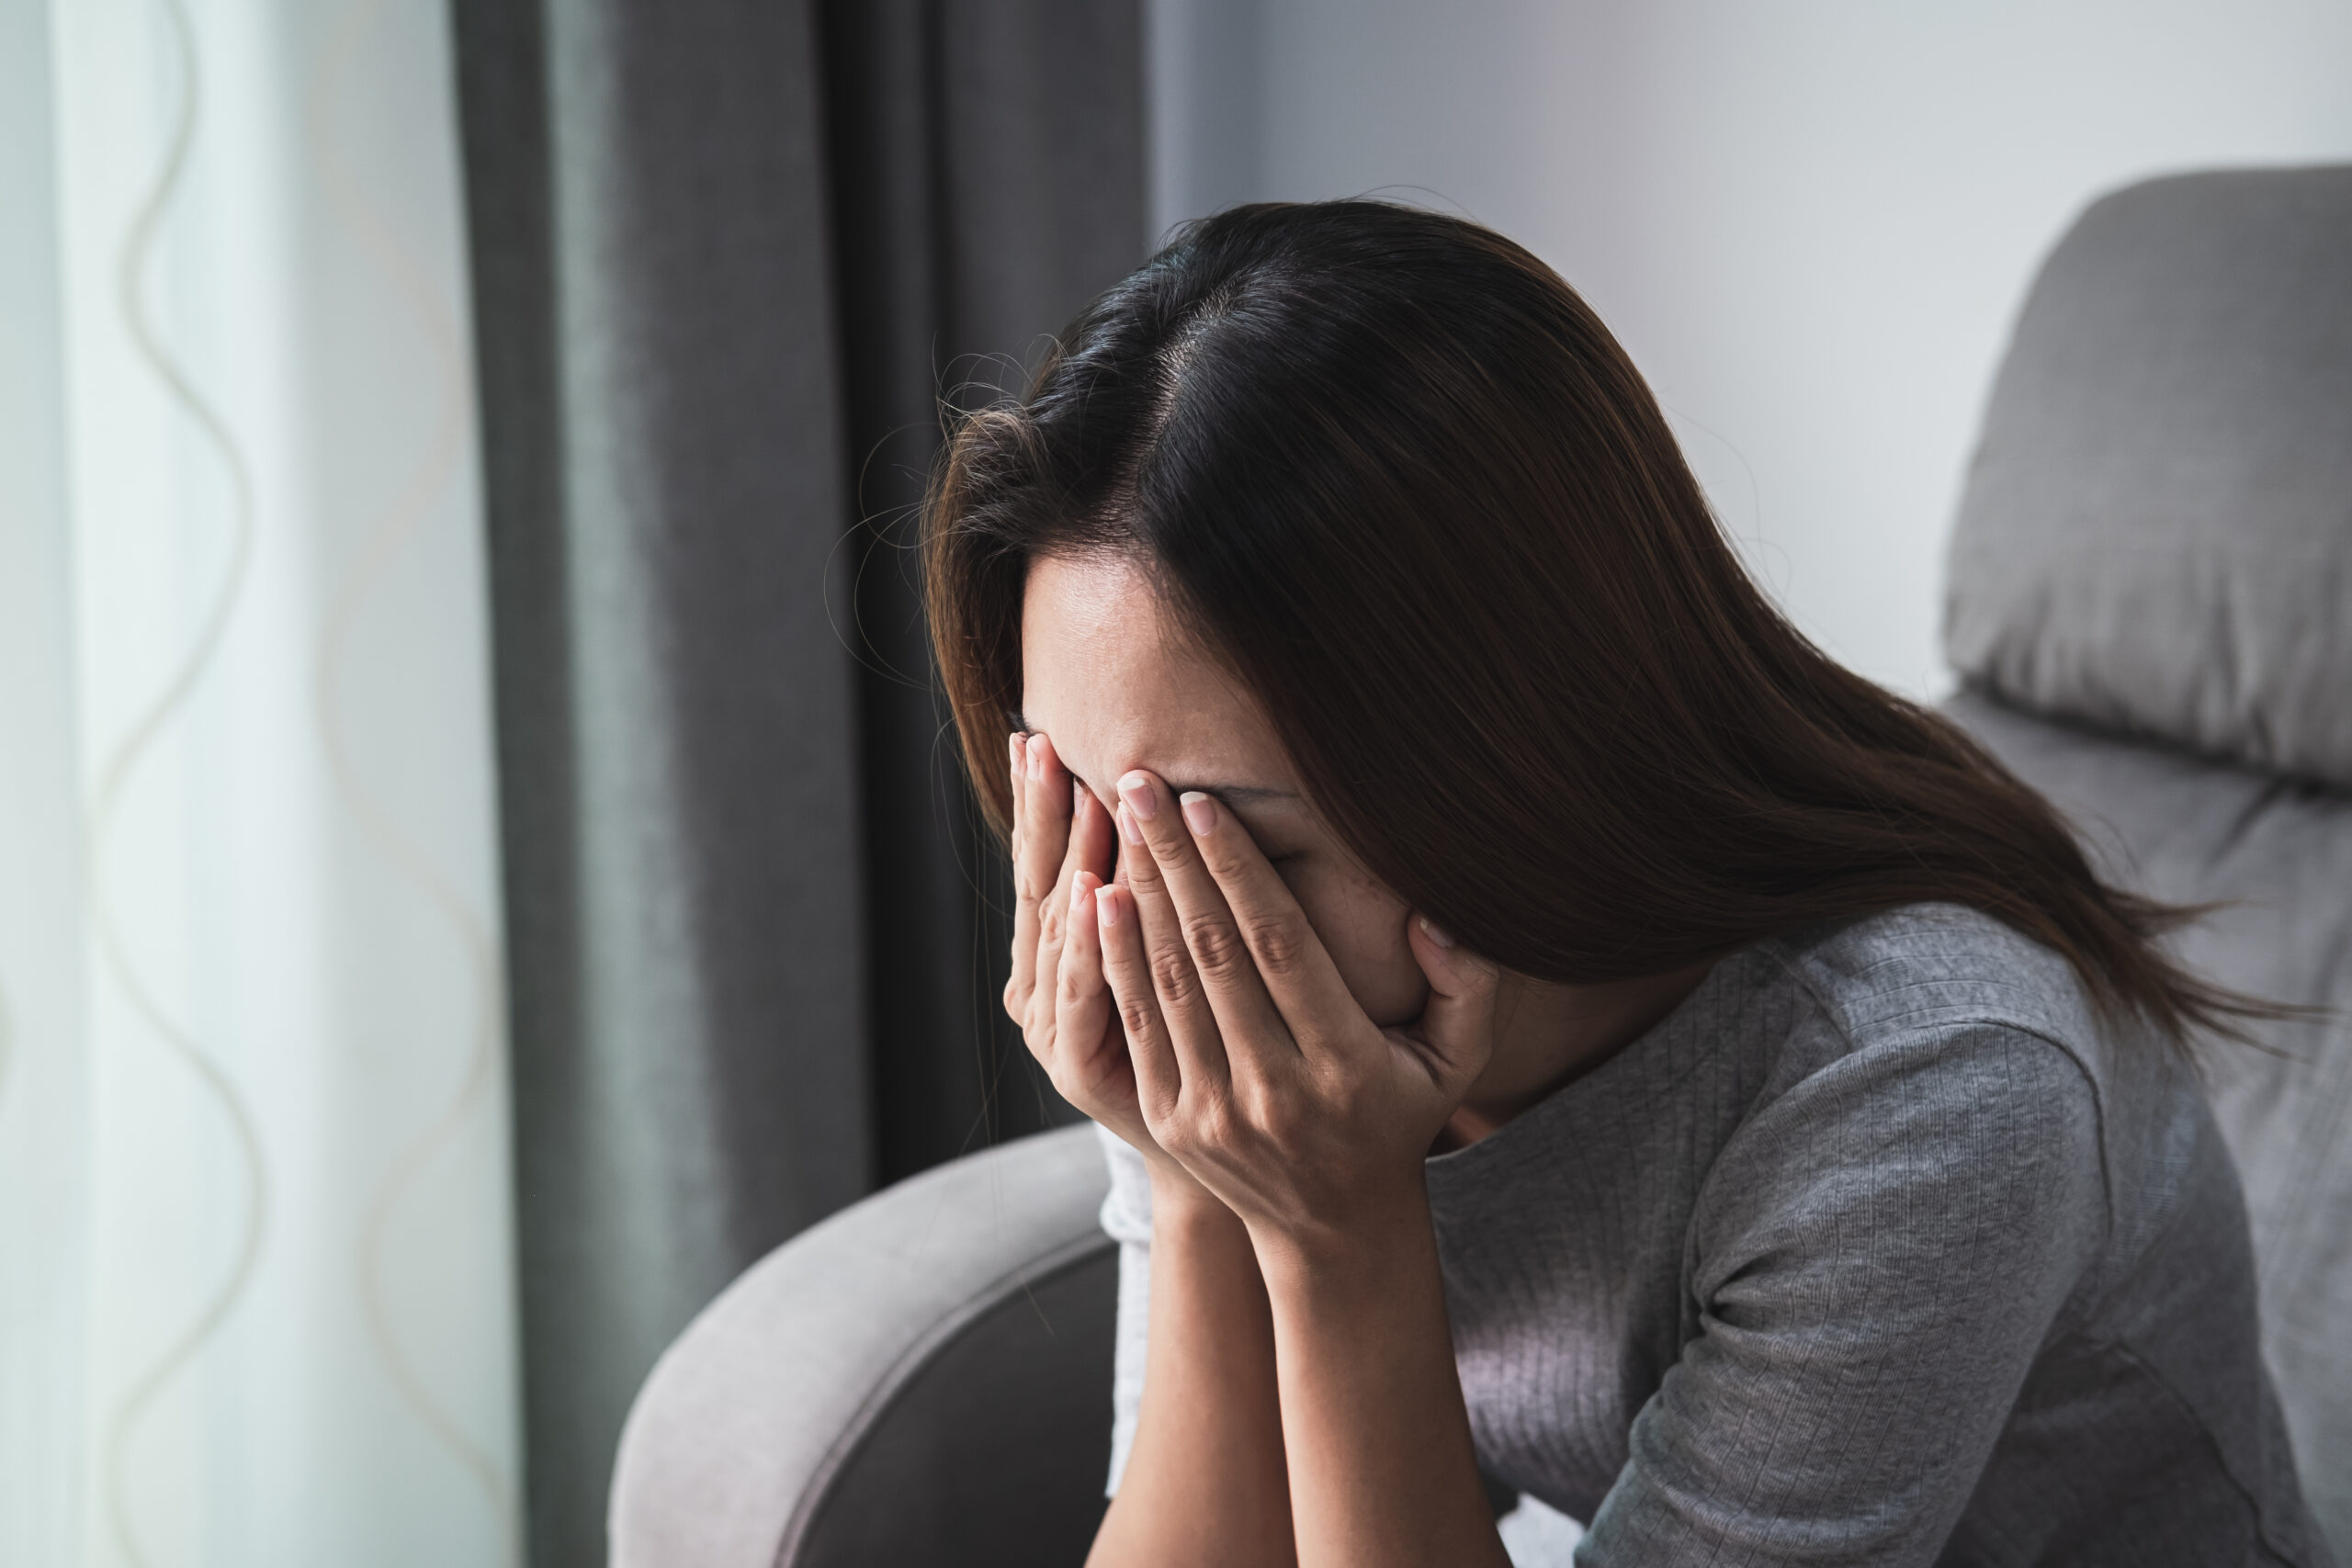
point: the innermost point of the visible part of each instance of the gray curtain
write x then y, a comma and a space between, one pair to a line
987, 166
726, 256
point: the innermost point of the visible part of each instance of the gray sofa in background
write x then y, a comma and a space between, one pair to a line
2151, 608
2150, 598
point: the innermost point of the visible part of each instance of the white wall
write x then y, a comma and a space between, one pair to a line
1810, 223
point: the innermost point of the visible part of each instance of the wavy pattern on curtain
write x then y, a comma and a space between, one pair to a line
257, 1282
402, 513
120, 765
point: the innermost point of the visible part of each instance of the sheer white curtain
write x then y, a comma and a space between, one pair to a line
255, 1279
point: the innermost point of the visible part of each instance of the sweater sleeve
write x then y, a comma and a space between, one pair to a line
1877, 1257
1126, 1219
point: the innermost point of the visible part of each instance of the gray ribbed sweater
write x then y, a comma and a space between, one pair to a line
1877, 1250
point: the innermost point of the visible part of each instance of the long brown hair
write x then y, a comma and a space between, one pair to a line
1392, 469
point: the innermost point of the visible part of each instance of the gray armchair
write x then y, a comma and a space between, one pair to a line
2151, 605
925, 1377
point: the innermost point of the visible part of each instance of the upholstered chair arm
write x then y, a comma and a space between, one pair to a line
925, 1377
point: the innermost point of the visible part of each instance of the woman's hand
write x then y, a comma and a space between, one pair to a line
1062, 851
1257, 1070
1253, 1065
1209, 1422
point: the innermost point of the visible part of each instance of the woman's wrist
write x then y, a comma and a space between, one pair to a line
1376, 1435
1178, 1198
1348, 1252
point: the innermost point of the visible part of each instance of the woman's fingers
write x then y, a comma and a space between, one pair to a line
1087, 838
1167, 960
1093, 842
1024, 902
1042, 794
1281, 949
1159, 1080
1199, 925
1081, 996
1456, 1029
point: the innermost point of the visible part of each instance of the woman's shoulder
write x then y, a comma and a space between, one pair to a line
1934, 1036
1921, 1035
1934, 1066
1932, 978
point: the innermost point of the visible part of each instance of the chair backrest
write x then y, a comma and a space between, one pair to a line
2151, 606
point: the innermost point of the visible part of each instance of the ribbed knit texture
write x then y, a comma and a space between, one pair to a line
1878, 1250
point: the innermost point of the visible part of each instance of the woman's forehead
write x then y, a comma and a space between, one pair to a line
1117, 685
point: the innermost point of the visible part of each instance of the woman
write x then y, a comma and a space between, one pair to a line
1553, 1020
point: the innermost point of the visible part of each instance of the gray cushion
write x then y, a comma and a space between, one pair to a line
2190, 831
2157, 532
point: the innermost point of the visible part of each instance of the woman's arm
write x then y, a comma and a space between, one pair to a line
1381, 1464
1259, 1073
1205, 1481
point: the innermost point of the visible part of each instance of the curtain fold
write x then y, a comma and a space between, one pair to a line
986, 179
726, 256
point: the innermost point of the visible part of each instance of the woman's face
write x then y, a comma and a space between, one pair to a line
1116, 684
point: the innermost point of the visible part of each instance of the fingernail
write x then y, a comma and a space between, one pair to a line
1019, 755
1077, 796
1199, 812
1080, 886
1036, 756
1127, 828
1437, 933
1135, 790
1106, 912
